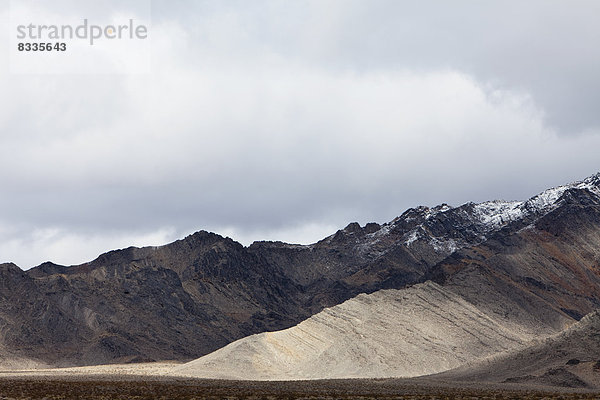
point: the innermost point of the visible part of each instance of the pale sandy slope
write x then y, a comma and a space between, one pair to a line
391, 333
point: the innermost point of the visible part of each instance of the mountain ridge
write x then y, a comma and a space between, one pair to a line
195, 295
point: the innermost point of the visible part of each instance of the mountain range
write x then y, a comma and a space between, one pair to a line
435, 289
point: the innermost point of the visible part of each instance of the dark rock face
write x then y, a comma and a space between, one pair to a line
28, 316
190, 297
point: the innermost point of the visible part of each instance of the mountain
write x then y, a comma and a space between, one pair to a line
523, 264
533, 277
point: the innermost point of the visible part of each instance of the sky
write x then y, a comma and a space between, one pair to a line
287, 120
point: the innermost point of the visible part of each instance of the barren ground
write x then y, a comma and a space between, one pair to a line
75, 384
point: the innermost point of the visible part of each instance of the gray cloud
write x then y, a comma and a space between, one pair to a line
287, 120
547, 48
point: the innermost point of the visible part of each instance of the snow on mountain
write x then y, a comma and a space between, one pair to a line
487, 217
495, 214
547, 200
430, 234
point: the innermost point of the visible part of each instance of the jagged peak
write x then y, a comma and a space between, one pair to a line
422, 212
10, 267
352, 227
491, 215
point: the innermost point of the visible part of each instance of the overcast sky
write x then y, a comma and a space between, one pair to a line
286, 120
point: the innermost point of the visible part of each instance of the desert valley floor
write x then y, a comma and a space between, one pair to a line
164, 381
146, 381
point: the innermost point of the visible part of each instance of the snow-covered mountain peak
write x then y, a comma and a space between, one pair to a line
498, 213
592, 183
479, 220
547, 200
443, 229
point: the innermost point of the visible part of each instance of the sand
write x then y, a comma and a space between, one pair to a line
421, 330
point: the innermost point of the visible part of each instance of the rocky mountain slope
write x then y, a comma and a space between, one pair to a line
191, 297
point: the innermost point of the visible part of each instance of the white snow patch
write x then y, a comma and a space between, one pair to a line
498, 213
412, 237
444, 245
545, 200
